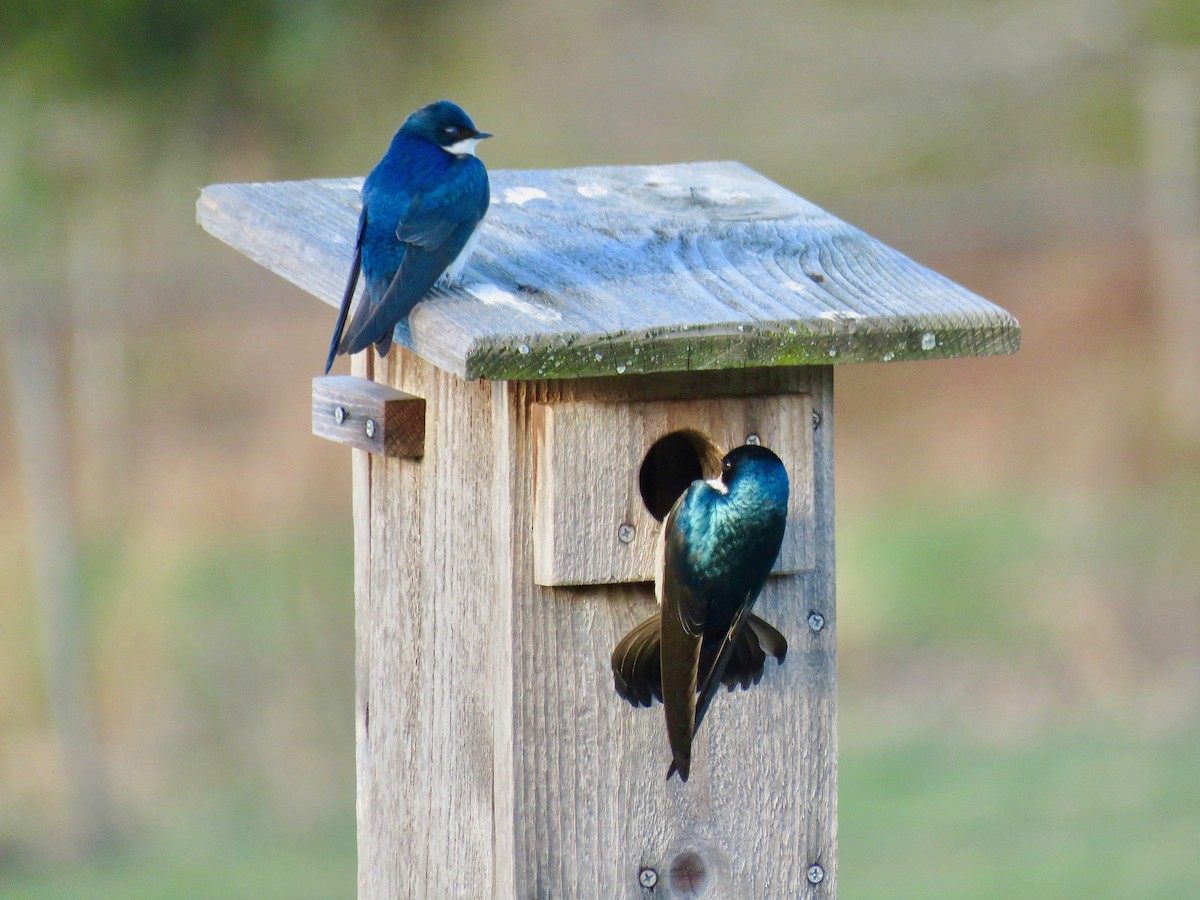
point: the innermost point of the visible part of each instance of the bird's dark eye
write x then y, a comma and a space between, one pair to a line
726, 465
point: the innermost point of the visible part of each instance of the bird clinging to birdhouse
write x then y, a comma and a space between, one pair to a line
717, 546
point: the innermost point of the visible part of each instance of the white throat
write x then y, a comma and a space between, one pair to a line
718, 485
465, 147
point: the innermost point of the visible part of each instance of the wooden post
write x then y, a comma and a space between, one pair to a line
608, 309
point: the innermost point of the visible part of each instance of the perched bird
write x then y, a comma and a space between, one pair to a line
718, 544
421, 206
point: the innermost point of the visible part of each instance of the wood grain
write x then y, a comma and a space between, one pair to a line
494, 756
372, 865
590, 806
369, 416
588, 457
427, 572
634, 269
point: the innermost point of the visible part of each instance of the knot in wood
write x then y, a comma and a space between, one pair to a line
689, 874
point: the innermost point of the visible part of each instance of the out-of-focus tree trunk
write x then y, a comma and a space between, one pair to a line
1171, 125
35, 363
99, 388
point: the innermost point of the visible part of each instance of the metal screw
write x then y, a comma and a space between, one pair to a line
816, 420
753, 439
339, 414
647, 878
626, 533
369, 428
816, 621
816, 874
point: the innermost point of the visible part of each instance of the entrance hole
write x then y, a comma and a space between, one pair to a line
671, 464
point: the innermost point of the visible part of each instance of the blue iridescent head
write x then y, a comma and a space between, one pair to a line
753, 461
445, 124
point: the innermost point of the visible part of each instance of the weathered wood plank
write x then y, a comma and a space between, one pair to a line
425, 639
635, 269
591, 525
590, 806
487, 718
368, 416
371, 863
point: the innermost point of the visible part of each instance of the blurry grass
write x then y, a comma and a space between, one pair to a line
1016, 716
1096, 812
208, 866
922, 570
226, 676
1028, 576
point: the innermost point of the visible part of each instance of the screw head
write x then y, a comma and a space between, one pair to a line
816, 420
647, 878
816, 621
339, 414
753, 439
369, 428
626, 533
815, 874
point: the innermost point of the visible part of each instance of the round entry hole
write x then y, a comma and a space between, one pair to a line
672, 463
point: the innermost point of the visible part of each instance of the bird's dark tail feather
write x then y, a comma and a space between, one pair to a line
635, 664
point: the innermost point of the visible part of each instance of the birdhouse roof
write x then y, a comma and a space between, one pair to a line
633, 269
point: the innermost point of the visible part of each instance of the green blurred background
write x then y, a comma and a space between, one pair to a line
1019, 587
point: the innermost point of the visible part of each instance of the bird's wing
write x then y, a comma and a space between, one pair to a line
434, 229
713, 677
351, 284
741, 656
684, 612
715, 673
429, 224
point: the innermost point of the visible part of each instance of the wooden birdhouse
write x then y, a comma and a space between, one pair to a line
619, 329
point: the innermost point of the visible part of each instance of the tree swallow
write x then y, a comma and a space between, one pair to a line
717, 546
421, 206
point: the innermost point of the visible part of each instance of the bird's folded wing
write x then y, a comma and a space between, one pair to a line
683, 615
716, 672
434, 229
428, 223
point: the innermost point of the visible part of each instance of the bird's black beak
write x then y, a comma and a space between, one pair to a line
480, 135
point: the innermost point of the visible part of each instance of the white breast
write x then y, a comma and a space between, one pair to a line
455, 270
